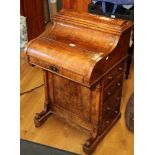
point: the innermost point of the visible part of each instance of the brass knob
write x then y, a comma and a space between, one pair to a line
54, 69
109, 93
107, 58
118, 84
108, 108
120, 68
117, 98
110, 77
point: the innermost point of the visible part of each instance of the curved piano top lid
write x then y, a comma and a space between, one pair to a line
80, 48
103, 23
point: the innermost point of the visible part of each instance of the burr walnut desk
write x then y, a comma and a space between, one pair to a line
82, 57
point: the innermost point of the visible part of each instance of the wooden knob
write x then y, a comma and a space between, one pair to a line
107, 122
108, 108
116, 111
118, 84
109, 93
117, 98
120, 68
110, 77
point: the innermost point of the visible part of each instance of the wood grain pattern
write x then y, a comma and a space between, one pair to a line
74, 71
80, 5
89, 51
74, 97
73, 4
66, 4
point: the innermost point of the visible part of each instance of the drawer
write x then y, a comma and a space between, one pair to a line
112, 88
108, 120
56, 69
113, 58
117, 108
112, 104
111, 76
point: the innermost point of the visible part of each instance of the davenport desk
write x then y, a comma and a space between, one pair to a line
82, 57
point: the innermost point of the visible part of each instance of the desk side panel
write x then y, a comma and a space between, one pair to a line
71, 100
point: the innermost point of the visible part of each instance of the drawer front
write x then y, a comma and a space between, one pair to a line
57, 69
110, 105
108, 120
112, 88
111, 76
114, 58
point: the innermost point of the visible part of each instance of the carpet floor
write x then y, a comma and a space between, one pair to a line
31, 148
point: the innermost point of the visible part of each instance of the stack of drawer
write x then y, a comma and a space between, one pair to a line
112, 92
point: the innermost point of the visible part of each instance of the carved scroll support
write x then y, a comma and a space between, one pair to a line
41, 117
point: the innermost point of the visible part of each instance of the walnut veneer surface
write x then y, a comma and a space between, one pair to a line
83, 58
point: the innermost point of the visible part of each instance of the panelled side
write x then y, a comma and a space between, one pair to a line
70, 97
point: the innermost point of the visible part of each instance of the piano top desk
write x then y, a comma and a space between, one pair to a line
82, 57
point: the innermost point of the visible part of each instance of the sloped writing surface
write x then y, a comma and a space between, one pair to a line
80, 43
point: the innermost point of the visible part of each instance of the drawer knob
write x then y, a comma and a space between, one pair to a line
116, 111
107, 122
118, 84
110, 77
117, 98
108, 108
120, 68
54, 69
109, 93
